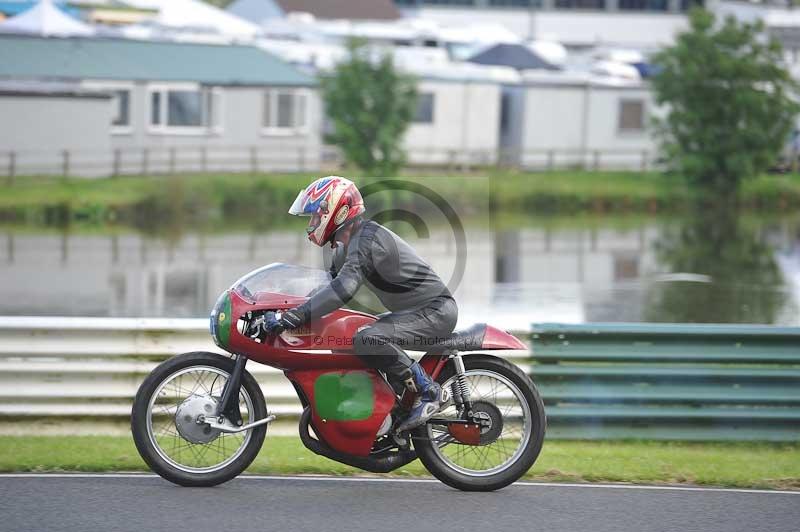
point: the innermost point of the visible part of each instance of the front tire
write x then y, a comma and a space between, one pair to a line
148, 439
445, 468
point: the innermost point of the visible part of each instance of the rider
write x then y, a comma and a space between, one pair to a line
365, 252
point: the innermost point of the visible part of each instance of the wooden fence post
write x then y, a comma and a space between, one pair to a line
644, 160
65, 163
253, 160
117, 162
12, 166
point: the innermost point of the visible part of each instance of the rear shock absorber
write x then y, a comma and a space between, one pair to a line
460, 387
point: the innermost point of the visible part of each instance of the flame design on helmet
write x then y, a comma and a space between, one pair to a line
331, 202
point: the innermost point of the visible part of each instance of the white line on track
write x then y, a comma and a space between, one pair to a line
313, 478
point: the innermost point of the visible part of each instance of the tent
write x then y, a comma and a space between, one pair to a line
553, 52
197, 15
516, 56
47, 20
615, 69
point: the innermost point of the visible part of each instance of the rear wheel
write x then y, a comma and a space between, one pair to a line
511, 413
167, 421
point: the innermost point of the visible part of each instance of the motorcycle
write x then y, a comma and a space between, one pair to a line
200, 418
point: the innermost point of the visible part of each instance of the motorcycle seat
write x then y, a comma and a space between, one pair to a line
468, 339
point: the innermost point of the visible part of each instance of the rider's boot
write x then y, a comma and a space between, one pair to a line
426, 400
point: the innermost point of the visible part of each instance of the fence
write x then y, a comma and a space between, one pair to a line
164, 160
665, 381
598, 381
217, 158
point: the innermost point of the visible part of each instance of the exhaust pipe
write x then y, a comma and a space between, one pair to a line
384, 463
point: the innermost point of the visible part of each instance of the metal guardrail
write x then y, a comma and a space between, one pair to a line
647, 381
669, 381
92, 367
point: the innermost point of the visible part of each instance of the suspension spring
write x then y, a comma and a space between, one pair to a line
460, 389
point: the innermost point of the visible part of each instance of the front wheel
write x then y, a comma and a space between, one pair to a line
168, 428
513, 423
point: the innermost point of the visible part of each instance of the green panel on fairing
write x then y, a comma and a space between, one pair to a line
223, 318
348, 396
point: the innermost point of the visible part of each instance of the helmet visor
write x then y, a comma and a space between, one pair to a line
297, 207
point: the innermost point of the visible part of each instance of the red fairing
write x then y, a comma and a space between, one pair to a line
497, 339
351, 437
326, 343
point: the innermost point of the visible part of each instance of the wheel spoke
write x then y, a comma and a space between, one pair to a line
492, 391
204, 384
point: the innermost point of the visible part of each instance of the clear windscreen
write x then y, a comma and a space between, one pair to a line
281, 278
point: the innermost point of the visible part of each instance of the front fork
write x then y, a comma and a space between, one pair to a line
229, 403
460, 388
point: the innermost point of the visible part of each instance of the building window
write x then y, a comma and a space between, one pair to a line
631, 115
185, 109
122, 108
121, 102
449, 2
581, 4
686, 5
155, 109
285, 111
515, 3
643, 5
478, 3
505, 113
626, 267
424, 112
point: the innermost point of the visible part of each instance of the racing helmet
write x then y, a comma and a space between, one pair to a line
332, 202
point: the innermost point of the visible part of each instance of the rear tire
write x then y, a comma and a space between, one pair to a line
140, 416
439, 468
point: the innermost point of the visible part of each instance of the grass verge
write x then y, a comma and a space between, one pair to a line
744, 465
210, 198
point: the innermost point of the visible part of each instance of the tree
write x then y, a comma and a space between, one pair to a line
744, 283
371, 105
728, 99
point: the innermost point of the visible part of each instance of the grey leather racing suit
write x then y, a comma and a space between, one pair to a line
421, 308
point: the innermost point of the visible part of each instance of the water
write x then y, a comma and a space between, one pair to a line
679, 269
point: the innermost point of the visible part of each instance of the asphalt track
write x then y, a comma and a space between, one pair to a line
146, 503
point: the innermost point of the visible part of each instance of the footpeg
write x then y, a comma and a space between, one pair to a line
444, 396
400, 440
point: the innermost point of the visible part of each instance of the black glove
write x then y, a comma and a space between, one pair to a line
292, 319
289, 319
